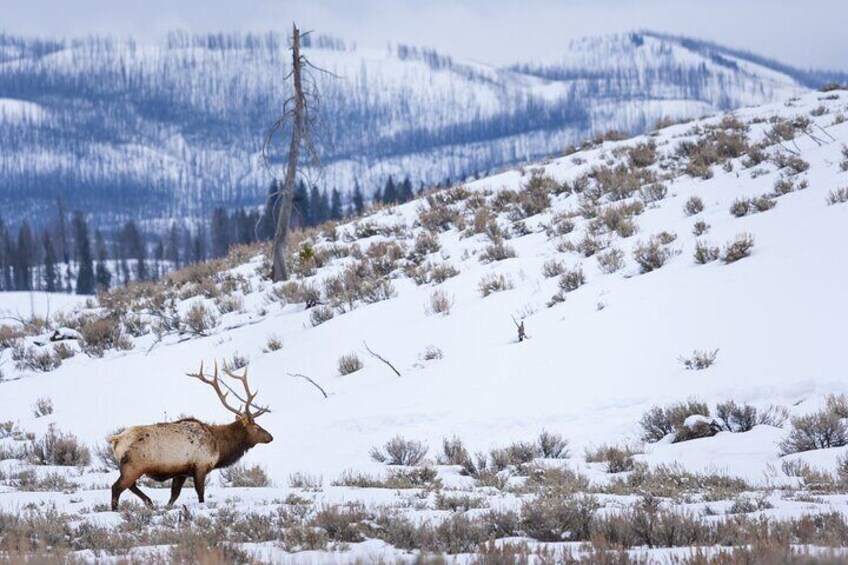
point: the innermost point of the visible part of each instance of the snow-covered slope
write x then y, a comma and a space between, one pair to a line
108, 122
594, 362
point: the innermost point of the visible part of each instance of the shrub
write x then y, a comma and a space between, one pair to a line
42, 407
837, 404
706, 253
454, 452
199, 319
57, 448
589, 245
400, 451
100, 335
514, 455
431, 352
738, 249
440, 303
552, 446
494, 283
552, 268
306, 482
559, 518
820, 430
497, 252
700, 228
658, 422
699, 360
654, 192
561, 224
572, 279
534, 198
320, 314
744, 206
274, 343
737, 418
693, 206
837, 196
425, 243
240, 475
740, 207
617, 459
349, 363
611, 260
229, 303
763, 203
654, 254
642, 155
104, 451
35, 359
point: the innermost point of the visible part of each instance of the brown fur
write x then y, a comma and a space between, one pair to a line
179, 450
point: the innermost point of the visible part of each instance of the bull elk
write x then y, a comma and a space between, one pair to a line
188, 447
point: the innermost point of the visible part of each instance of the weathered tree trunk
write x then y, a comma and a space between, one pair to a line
280, 270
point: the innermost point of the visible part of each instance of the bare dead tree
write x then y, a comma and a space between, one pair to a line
299, 116
301, 376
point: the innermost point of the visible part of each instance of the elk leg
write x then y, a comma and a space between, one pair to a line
137, 491
200, 483
123, 483
176, 488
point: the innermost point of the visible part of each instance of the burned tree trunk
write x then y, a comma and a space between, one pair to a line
280, 269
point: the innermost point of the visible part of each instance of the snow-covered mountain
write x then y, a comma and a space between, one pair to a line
724, 235
171, 130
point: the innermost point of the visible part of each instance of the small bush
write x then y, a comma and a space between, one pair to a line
654, 192
737, 418
57, 448
42, 407
400, 451
552, 446
35, 359
617, 459
838, 196
440, 303
693, 206
700, 228
658, 422
240, 475
431, 352
740, 207
556, 518
572, 279
611, 260
199, 319
321, 314
654, 254
306, 482
837, 404
820, 430
699, 360
706, 253
738, 249
454, 452
274, 343
349, 363
642, 155
497, 252
229, 303
494, 283
589, 245
552, 268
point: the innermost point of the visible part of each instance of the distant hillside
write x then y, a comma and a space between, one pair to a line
124, 129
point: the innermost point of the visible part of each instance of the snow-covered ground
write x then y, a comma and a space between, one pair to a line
593, 365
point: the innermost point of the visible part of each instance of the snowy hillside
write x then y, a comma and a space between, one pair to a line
107, 122
594, 252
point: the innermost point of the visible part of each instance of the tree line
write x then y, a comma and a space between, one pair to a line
68, 255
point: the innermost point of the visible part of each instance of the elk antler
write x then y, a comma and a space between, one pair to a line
215, 383
248, 402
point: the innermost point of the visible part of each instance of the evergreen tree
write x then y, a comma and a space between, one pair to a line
220, 232
23, 258
271, 212
198, 245
300, 206
158, 257
390, 193
188, 247
357, 200
5, 258
64, 248
406, 193
336, 212
102, 275
135, 248
85, 269
172, 247
50, 274
316, 208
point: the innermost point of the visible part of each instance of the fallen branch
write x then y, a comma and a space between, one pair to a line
296, 375
392, 367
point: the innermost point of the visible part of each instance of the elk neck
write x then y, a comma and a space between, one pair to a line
232, 442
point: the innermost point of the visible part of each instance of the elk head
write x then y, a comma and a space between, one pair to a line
247, 414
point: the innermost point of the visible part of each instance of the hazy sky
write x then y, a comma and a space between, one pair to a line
800, 32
